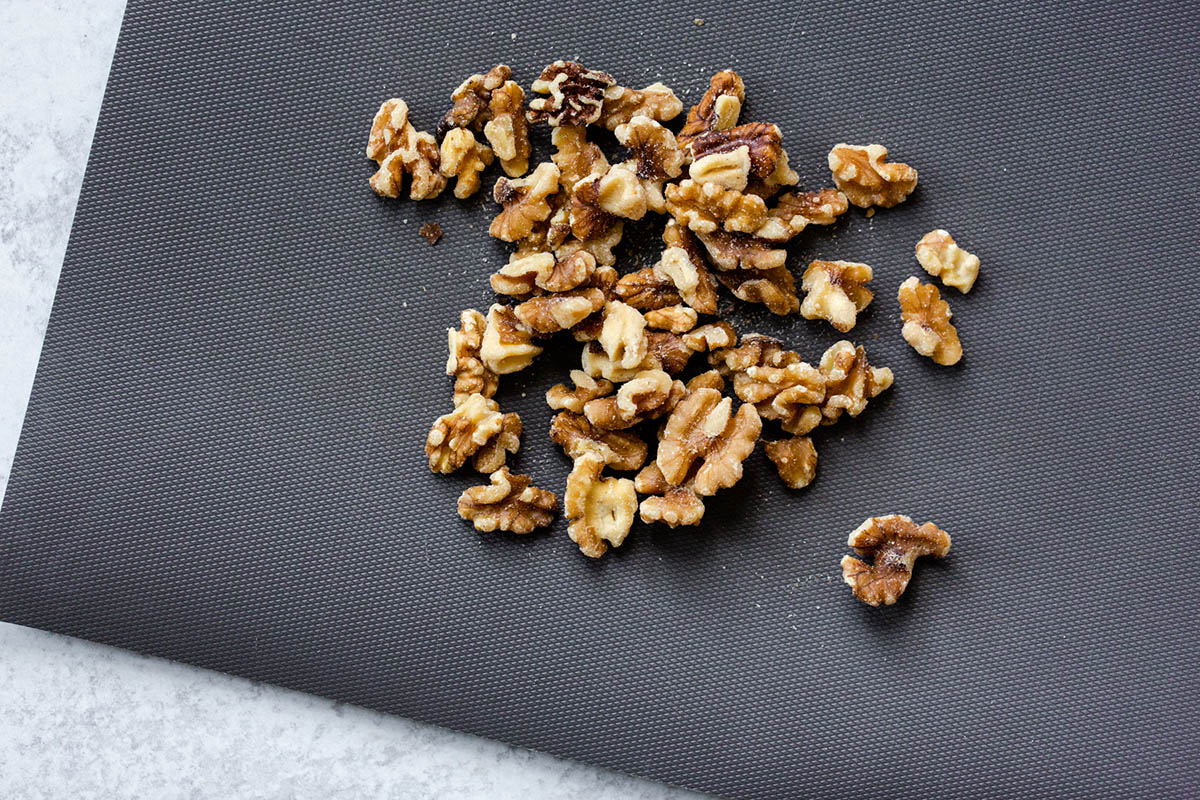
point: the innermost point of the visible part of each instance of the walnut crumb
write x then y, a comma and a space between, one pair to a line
894, 543
509, 503
432, 232
927, 325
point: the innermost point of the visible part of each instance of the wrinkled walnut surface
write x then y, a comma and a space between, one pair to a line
836, 292
457, 436
718, 109
573, 94
867, 179
927, 325
524, 201
795, 459
941, 257
600, 510
508, 503
621, 104
577, 437
894, 543
706, 440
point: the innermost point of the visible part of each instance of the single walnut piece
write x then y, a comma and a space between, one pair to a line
729, 169
676, 319
560, 311
621, 450
927, 325
796, 460
494, 453
471, 101
836, 292
653, 147
776, 380
849, 381
734, 251
457, 436
708, 207
560, 398
619, 192
783, 175
774, 288
600, 246
718, 109
507, 344
509, 503
464, 158
575, 156
621, 104
470, 374
401, 150
588, 219
866, 179
507, 131
524, 201
623, 336
677, 505
704, 443
795, 211
431, 232
575, 94
542, 272
648, 395
684, 263
600, 510
943, 258
647, 290
762, 140
894, 543
707, 380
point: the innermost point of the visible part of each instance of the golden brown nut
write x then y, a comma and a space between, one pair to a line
684, 263
471, 101
653, 147
601, 245
507, 131
574, 94
795, 459
647, 395
733, 251
575, 156
762, 140
707, 380
729, 169
509, 503
927, 325
713, 336
559, 311
783, 175
542, 272
794, 212
647, 290
470, 374
619, 192
894, 543
774, 288
588, 219
621, 450
676, 319
621, 104
776, 380
836, 292
849, 381
401, 150
709, 207
492, 455
464, 158
941, 257
667, 351
560, 398
623, 336
675, 506
861, 172
705, 443
507, 342
457, 436
600, 510
524, 201
718, 109
598, 364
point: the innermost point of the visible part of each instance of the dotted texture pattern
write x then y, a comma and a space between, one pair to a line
221, 462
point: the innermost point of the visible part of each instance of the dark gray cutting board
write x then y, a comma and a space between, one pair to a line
222, 461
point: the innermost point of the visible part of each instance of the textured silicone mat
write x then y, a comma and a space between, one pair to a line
222, 460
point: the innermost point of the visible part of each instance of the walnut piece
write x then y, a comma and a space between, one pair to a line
704, 443
729, 169
776, 380
457, 436
707, 380
623, 336
687, 269
653, 148
861, 172
507, 131
588, 219
575, 156
849, 381
621, 450
464, 158
836, 292
492, 455
893, 543
927, 325
542, 272
647, 290
431, 232
560, 311
676, 319
600, 246
560, 398
619, 192
795, 211
401, 150
524, 201
621, 104
574, 94
762, 140
675, 505
941, 257
509, 503
731, 251
470, 374
718, 109
795, 459
774, 288
600, 510
709, 207
647, 395
507, 344
471, 101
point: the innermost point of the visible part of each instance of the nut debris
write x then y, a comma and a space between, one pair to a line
574, 94
600, 510
509, 503
927, 325
894, 543
795, 459
942, 258
836, 292
866, 179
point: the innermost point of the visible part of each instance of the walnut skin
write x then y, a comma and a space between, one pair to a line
942, 258
464, 158
621, 450
647, 289
560, 398
836, 292
507, 131
795, 211
849, 381
492, 455
648, 395
524, 201
927, 325
574, 94
507, 344
718, 109
470, 374
796, 460
704, 443
894, 543
457, 436
588, 219
862, 174
471, 101
621, 104
600, 510
401, 150
653, 147
509, 503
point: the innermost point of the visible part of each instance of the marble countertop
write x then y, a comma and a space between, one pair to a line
81, 720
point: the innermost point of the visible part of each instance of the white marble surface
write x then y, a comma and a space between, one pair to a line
80, 720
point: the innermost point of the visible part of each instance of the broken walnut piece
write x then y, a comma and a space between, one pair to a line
471, 101
507, 344
647, 395
623, 336
464, 158
762, 140
718, 109
687, 270
621, 104
574, 94
576, 157
850, 381
600, 246
783, 176
707, 380
647, 290
866, 179
509, 503
524, 201
588, 219
621, 450
734, 251
795, 459
542, 272
457, 436
941, 257
774, 288
836, 292
893, 543
705, 443
560, 398
672, 505
729, 169
619, 192
492, 455
709, 207
654, 151
795, 211
676, 319
401, 150
431, 232
600, 510
507, 131
927, 327
470, 374
560, 311
776, 380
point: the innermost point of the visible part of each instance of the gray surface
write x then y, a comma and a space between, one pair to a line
220, 460
82, 720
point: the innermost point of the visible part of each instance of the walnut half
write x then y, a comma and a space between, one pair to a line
941, 257
866, 179
509, 503
894, 543
600, 510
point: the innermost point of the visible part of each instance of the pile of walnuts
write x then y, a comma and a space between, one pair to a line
728, 196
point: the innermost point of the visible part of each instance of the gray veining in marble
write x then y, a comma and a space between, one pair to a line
80, 720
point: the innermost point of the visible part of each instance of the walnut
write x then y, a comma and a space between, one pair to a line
689, 270
619, 192
776, 380
526, 275
667, 351
600, 510
623, 336
729, 169
894, 543
401, 150
849, 381
575, 94
598, 364
708, 207
470, 374
560, 398
575, 156
866, 179
796, 460
621, 104
793, 212
927, 325
600, 246
507, 343
621, 450
730, 251
471, 101
524, 201
718, 109
464, 158
707, 380
774, 288
941, 257
588, 219
653, 147
457, 436
783, 175
762, 140
647, 290
676, 319
713, 336
675, 505
705, 443
836, 292
648, 395
492, 455
509, 503
560, 311
507, 131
